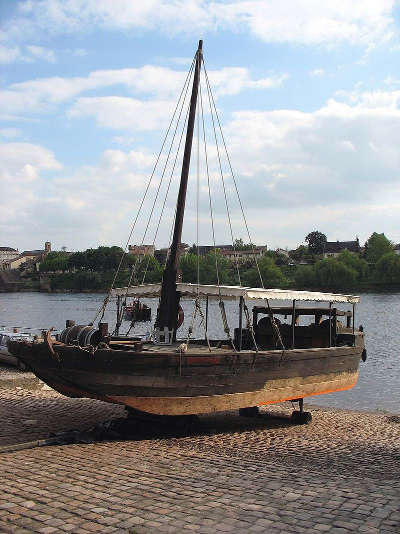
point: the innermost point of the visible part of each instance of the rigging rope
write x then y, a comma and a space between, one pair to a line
198, 198
102, 309
134, 269
249, 325
163, 205
274, 325
209, 191
166, 193
232, 174
221, 303
223, 183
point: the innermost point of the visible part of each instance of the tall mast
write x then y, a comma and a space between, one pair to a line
169, 302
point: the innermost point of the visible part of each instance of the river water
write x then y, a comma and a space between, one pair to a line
378, 387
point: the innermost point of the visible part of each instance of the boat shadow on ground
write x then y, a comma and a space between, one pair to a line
141, 426
43, 422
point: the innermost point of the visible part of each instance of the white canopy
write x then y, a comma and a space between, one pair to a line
234, 292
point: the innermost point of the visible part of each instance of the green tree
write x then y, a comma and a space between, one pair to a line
148, 271
376, 246
299, 253
55, 261
332, 273
355, 262
193, 249
240, 245
188, 266
208, 271
78, 260
387, 269
316, 242
304, 277
271, 274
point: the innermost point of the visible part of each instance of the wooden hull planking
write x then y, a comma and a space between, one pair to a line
272, 393
167, 383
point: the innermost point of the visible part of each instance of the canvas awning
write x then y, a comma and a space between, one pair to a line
234, 292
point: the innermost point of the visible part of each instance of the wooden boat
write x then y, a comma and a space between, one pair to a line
265, 361
137, 312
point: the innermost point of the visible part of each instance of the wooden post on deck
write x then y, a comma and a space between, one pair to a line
103, 329
241, 300
118, 324
207, 313
293, 321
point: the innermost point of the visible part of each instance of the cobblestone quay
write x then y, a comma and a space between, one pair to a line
338, 475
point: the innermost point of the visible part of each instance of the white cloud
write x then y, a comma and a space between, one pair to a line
15, 157
93, 205
304, 21
43, 94
336, 169
9, 54
21, 183
39, 52
26, 54
331, 165
9, 133
312, 22
124, 113
343, 153
233, 80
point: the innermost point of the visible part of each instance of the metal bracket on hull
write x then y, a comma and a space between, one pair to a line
164, 336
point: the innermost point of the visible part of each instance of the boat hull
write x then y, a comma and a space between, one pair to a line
274, 392
175, 383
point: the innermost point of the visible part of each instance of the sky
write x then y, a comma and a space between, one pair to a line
307, 93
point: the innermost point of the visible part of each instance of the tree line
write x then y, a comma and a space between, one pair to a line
94, 269
376, 266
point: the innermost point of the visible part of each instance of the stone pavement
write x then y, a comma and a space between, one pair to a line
338, 475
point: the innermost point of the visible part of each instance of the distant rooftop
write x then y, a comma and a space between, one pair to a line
338, 246
32, 252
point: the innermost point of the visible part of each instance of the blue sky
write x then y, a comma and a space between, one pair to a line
308, 96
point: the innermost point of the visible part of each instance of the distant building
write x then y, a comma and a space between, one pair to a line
244, 255
8, 253
396, 249
334, 248
27, 256
14, 263
282, 251
140, 251
229, 252
162, 254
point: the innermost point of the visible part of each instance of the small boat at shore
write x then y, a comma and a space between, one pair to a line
5, 355
266, 360
137, 312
